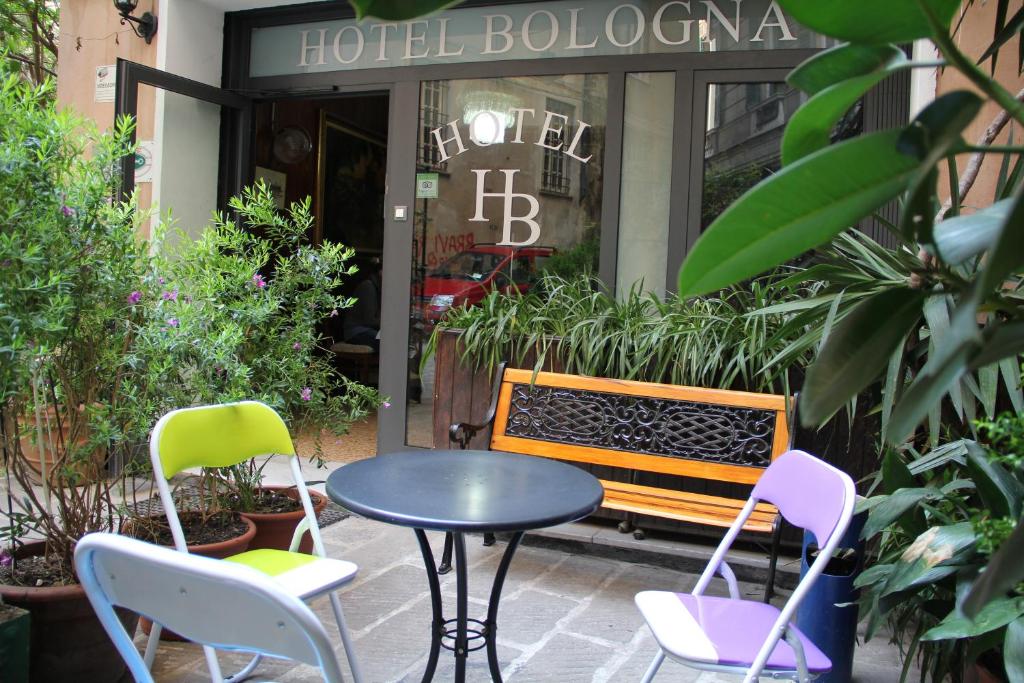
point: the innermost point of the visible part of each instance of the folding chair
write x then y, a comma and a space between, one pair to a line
225, 435
176, 589
743, 636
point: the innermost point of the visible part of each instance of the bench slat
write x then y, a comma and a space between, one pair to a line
722, 397
684, 506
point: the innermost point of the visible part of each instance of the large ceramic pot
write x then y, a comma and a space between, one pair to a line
219, 550
275, 529
67, 641
88, 469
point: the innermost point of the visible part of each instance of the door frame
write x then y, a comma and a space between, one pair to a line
236, 121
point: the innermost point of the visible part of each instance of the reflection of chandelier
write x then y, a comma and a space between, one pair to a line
496, 103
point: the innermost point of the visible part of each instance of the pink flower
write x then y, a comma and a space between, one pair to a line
67, 211
135, 297
258, 280
387, 404
172, 322
297, 346
306, 394
171, 295
6, 559
160, 280
334, 313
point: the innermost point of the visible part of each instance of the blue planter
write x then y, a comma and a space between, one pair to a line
828, 614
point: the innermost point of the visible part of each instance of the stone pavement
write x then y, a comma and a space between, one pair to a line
564, 617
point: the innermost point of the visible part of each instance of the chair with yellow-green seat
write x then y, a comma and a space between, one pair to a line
226, 435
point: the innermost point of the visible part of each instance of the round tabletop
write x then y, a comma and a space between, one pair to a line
448, 490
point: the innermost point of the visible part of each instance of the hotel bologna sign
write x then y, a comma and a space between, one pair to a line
527, 31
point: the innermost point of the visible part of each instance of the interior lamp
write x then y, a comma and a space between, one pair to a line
144, 26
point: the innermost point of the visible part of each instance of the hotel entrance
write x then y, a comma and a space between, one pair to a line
487, 149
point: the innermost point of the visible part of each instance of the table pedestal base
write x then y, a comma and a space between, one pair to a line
463, 635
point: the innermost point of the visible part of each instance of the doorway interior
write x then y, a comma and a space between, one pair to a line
334, 151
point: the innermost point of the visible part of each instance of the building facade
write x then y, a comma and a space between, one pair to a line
468, 150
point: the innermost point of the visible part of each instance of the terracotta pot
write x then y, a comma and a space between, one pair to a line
219, 550
88, 469
275, 529
67, 641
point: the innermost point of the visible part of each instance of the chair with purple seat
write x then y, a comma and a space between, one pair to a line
739, 636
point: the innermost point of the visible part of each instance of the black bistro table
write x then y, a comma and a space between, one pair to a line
465, 491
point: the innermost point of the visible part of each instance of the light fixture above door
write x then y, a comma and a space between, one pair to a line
144, 26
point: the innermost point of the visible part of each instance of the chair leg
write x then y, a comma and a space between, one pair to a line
211, 661
346, 639
245, 671
773, 559
446, 556
489, 539
655, 665
152, 644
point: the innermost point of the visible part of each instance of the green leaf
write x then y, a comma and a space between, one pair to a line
398, 10
841, 63
857, 350
995, 615
1008, 253
935, 554
945, 366
1013, 651
958, 239
918, 217
1001, 492
890, 508
1004, 571
896, 475
999, 342
1008, 31
870, 21
796, 209
937, 128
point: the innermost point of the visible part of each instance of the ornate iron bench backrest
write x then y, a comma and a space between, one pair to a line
708, 433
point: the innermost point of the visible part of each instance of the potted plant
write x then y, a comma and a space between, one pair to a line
236, 314
68, 259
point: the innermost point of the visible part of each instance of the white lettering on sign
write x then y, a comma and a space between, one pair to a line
779, 23
554, 30
551, 137
508, 219
317, 50
659, 16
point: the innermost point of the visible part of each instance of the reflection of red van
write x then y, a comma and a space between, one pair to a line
467, 277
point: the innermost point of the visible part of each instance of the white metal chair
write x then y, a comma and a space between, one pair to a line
176, 589
743, 636
225, 435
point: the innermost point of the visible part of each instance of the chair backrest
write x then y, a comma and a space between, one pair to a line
221, 436
217, 436
810, 493
176, 590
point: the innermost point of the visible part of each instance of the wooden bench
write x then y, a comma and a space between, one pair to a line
639, 427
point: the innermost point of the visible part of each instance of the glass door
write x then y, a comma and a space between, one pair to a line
509, 189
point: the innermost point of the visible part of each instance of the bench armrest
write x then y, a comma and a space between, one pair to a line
461, 433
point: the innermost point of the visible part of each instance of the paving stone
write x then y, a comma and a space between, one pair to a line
562, 658
477, 669
577, 577
530, 616
379, 597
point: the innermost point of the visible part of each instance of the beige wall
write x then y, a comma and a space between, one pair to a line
974, 36
92, 36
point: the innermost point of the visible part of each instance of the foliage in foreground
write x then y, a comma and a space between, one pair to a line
944, 337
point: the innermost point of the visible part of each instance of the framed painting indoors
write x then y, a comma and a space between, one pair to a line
350, 186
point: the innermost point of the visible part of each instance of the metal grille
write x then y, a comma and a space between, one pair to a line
433, 114
554, 177
638, 424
